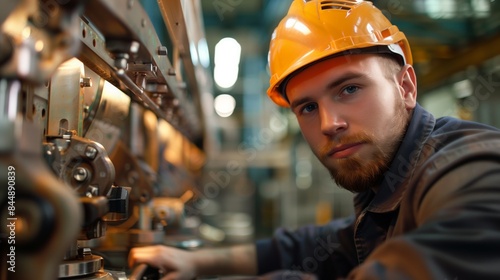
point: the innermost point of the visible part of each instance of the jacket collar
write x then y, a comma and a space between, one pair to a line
403, 165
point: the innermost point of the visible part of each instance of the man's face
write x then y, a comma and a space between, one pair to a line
353, 114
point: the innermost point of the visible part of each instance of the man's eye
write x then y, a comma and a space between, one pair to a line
309, 108
350, 90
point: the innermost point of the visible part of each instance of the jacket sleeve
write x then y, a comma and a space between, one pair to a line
457, 230
325, 251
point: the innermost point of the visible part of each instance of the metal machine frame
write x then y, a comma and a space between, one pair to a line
91, 101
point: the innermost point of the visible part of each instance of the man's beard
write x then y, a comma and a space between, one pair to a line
356, 174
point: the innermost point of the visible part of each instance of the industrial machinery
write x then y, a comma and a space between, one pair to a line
102, 132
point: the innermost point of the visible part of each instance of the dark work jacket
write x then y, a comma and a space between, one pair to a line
435, 216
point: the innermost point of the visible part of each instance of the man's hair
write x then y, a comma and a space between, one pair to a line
390, 65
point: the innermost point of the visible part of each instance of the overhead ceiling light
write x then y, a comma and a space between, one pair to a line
227, 59
226, 76
224, 105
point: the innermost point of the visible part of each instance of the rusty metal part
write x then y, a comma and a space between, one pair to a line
82, 164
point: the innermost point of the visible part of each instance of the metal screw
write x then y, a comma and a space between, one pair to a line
85, 82
92, 191
80, 174
90, 152
121, 60
121, 63
171, 72
134, 47
162, 50
84, 253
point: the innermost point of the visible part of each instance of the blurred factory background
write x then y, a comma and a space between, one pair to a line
456, 49
155, 114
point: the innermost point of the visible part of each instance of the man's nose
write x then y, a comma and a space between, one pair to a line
332, 121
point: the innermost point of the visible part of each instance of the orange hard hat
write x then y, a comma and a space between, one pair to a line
314, 30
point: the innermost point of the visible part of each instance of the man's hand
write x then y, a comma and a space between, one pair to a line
174, 263
180, 264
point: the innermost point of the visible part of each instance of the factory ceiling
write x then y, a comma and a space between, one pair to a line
446, 36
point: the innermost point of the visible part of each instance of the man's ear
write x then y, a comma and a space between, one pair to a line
408, 86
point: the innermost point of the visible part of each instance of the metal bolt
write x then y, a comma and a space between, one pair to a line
162, 50
121, 60
92, 191
80, 174
67, 135
134, 47
85, 82
86, 111
87, 251
144, 196
84, 253
171, 72
90, 152
121, 63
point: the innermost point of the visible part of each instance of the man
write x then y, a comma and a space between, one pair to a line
427, 190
